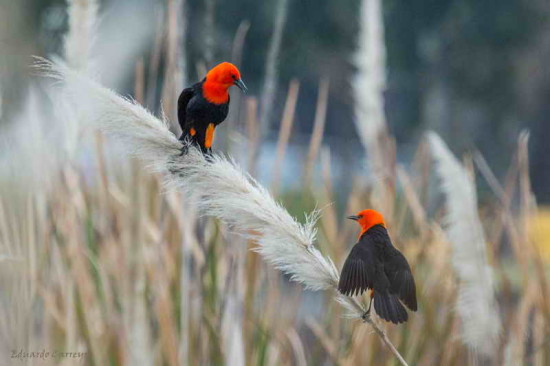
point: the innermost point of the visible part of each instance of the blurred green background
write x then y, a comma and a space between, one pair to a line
475, 71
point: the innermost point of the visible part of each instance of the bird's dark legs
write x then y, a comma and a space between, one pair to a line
187, 141
370, 304
208, 154
367, 313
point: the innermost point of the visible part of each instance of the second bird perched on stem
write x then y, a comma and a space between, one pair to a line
205, 105
375, 264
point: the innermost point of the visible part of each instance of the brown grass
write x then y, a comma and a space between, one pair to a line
107, 263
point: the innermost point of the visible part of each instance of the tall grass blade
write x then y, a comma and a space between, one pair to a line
271, 74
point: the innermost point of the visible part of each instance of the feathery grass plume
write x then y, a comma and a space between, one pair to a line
476, 303
370, 81
221, 188
79, 39
225, 191
369, 85
118, 116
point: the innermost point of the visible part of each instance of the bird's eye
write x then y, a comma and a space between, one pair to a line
234, 76
360, 216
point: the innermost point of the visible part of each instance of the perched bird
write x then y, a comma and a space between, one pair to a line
205, 105
375, 264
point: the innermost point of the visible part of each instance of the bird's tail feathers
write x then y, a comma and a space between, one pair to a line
389, 308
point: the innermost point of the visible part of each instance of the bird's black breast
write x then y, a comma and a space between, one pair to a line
201, 110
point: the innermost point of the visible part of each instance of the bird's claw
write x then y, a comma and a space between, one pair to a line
184, 149
366, 315
208, 155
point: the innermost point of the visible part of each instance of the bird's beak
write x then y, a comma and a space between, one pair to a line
353, 217
241, 85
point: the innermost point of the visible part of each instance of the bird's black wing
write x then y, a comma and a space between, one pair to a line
183, 101
399, 274
358, 272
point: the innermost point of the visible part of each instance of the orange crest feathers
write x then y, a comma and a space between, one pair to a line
218, 80
224, 73
369, 218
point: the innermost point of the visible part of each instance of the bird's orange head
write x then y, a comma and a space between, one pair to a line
219, 79
367, 219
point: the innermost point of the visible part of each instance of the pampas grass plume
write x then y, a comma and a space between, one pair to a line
475, 304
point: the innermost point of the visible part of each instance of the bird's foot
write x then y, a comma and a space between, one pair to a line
208, 155
366, 315
184, 149
185, 144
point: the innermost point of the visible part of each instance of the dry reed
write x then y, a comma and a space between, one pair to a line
100, 261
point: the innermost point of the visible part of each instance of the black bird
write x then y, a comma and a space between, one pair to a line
375, 264
205, 105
